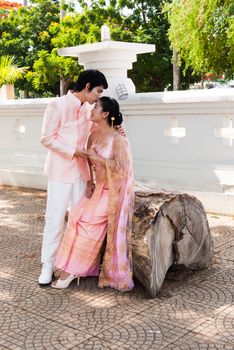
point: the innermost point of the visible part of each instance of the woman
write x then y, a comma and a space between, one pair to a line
107, 214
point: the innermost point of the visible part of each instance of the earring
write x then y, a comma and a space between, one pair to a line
112, 121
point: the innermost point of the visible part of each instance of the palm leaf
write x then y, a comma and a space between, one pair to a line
9, 70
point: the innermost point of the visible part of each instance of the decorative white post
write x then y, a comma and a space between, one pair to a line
175, 132
7, 92
226, 132
113, 58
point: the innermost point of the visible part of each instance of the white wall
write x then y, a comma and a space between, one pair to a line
202, 161
21, 154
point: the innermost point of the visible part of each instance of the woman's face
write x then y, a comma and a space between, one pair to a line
97, 114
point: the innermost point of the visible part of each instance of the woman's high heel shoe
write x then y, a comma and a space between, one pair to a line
62, 284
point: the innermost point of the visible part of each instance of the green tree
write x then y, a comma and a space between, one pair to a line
81, 28
34, 33
24, 33
136, 21
140, 21
151, 72
49, 68
202, 32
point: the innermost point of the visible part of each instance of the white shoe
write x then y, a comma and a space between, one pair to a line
62, 284
46, 275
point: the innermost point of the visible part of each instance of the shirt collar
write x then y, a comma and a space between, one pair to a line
73, 99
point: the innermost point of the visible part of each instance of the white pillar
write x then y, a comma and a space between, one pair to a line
7, 92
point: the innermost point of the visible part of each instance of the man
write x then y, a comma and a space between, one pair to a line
65, 130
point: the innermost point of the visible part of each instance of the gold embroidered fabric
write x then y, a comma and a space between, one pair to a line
117, 263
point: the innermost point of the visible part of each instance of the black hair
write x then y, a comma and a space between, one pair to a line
91, 76
111, 105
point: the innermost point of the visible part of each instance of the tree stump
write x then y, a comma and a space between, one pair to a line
168, 228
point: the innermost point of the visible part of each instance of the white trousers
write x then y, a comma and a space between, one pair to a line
60, 197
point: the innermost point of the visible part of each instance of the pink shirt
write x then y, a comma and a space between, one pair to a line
66, 127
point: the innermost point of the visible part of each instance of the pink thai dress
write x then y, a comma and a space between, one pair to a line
106, 215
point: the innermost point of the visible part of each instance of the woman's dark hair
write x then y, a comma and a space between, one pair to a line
111, 105
91, 76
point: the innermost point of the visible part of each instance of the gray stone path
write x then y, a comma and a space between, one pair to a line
194, 311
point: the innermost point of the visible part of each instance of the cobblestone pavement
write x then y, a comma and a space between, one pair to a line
194, 311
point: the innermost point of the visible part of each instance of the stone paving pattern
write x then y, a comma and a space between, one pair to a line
194, 310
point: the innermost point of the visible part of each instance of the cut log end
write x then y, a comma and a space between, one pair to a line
168, 228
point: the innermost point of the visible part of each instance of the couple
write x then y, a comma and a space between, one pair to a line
97, 183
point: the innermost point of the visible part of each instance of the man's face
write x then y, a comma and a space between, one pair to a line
94, 94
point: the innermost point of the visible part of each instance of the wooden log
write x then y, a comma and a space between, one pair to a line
168, 228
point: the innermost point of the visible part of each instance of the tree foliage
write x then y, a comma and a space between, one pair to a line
49, 69
202, 32
24, 34
136, 21
34, 33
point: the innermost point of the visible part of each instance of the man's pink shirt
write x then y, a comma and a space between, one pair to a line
65, 129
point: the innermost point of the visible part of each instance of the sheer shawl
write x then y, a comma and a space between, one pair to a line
116, 269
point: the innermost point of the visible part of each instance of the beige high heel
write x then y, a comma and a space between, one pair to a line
62, 284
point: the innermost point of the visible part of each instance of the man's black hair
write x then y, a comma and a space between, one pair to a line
91, 76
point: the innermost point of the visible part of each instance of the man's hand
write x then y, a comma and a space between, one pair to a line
120, 130
82, 154
92, 154
90, 189
95, 158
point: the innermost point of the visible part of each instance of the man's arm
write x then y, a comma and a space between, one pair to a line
82, 154
120, 129
50, 128
91, 183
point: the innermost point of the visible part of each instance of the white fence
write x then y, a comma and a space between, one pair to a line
180, 140
21, 154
